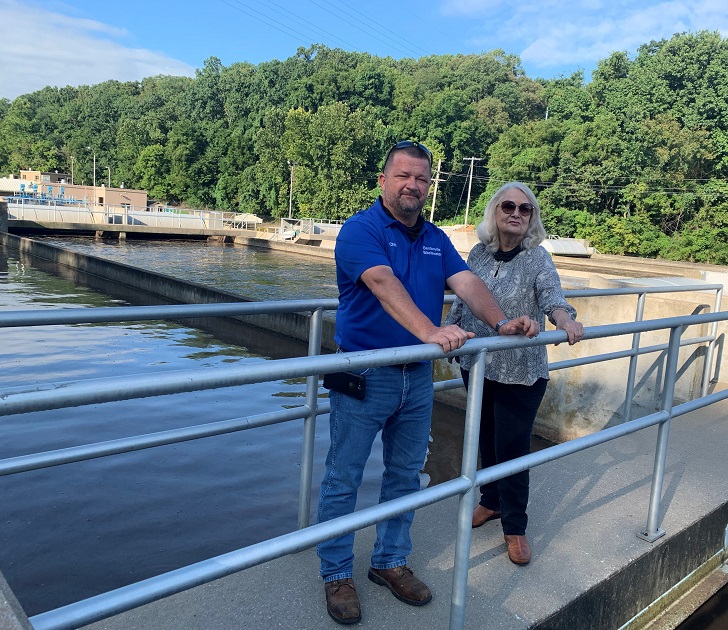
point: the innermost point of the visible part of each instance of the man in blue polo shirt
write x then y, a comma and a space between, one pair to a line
392, 269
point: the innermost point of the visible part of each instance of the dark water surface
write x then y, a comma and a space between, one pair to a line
260, 274
73, 531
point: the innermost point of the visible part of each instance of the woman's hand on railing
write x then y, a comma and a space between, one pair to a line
574, 330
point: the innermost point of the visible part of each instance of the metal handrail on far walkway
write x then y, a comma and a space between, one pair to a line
86, 212
53, 396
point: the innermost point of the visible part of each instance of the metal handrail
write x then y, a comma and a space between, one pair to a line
51, 396
83, 211
166, 311
101, 606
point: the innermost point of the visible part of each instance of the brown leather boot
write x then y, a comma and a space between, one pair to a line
519, 551
403, 584
482, 514
342, 602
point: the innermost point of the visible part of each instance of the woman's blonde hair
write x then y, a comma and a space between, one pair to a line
487, 230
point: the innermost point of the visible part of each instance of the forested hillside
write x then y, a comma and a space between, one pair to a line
634, 159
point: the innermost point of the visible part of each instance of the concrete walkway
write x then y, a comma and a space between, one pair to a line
589, 569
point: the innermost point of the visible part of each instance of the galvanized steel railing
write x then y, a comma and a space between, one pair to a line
55, 396
93, 215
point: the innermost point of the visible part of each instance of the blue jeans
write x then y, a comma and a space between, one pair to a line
399, 404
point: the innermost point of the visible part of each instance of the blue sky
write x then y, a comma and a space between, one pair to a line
85, 42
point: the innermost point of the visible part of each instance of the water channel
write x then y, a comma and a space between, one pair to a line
73, 531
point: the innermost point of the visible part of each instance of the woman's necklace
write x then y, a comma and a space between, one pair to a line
500, 256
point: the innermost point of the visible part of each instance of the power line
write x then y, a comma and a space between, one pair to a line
359, 27
318, 28
281, 27
307, 38
276, 25
380, 27
631, 178
572, 188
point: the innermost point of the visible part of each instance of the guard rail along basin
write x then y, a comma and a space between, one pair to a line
20, 400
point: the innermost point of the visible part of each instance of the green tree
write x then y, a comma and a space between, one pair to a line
333, 149
632, 235
151, 170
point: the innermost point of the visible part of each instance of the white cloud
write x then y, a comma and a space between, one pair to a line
624, 29
468, 7
551, 34
40, 48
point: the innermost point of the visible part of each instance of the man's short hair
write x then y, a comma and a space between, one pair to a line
410, 147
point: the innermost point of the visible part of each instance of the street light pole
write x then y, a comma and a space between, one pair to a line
94, 152
290, 190
72, 158
108, 168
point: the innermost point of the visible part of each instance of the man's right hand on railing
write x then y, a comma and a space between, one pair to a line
449, 337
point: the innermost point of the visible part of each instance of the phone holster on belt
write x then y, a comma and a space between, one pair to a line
348, 383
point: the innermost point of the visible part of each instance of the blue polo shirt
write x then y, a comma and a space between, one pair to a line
371, 238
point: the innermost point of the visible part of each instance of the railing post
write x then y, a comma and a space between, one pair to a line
652, 532
309, 424
465, 505
633, 360
710, 353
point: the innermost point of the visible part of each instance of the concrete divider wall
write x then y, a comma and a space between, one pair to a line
323, 248
3, 216
12, 616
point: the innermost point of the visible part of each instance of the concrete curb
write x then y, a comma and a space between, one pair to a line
12, 616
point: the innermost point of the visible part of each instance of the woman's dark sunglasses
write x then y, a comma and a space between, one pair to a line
404, 144
509, 207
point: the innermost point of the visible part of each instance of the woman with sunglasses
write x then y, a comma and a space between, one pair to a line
522, 278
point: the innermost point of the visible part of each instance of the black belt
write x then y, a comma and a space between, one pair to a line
401, 366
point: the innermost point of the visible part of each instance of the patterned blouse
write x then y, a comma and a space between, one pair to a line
526, 285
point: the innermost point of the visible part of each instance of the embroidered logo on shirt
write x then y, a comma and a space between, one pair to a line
431, 251
391, 244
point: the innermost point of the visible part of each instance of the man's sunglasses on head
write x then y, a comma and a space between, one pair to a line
404, 144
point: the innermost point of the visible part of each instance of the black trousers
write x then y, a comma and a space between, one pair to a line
506, 421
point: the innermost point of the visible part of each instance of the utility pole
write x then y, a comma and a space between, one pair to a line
72, 158
473, 160
434, 192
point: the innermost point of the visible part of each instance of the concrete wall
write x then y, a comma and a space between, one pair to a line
3, 216
313, 247
12, 616
57, 213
